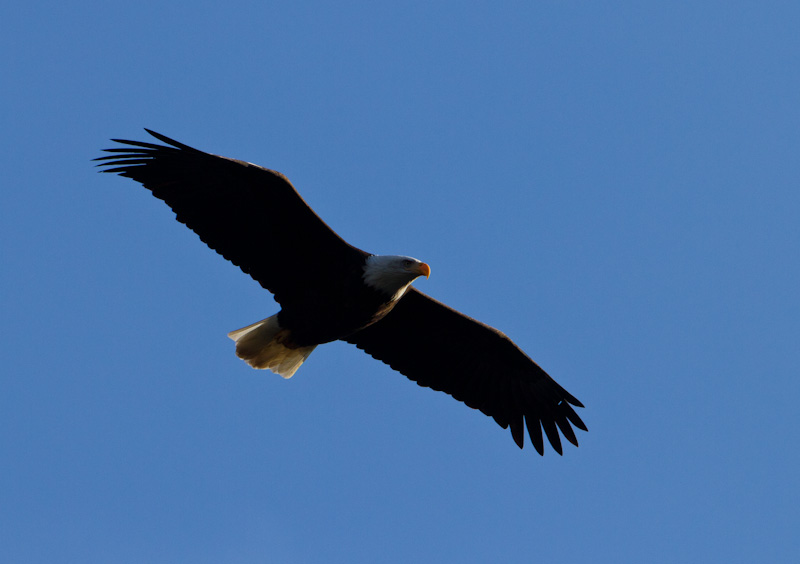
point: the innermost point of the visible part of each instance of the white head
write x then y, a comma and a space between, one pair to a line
393, 274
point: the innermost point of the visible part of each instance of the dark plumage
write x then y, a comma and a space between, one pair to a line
329, 290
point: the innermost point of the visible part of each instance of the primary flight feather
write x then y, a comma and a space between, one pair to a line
329, 290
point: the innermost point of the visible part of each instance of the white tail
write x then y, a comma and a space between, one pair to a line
261, 346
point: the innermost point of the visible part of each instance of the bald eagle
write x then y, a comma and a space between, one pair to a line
329, 290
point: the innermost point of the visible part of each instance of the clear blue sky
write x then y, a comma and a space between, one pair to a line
614, 185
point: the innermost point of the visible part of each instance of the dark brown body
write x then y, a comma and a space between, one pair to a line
318, 318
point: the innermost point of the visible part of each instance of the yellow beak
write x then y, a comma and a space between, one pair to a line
423, 269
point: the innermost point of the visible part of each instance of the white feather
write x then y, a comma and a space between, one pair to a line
390, 274
261, 346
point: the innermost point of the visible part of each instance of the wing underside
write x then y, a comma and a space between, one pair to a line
442, 349
250, 215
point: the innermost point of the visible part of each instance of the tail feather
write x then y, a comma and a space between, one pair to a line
261, 345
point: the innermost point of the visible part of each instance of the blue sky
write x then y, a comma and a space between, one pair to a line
614, 185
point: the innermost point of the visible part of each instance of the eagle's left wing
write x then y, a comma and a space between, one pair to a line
443, 349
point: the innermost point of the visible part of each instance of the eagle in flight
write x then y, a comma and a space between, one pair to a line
329, 290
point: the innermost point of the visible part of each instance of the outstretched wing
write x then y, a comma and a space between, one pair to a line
440, 348
250, 215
